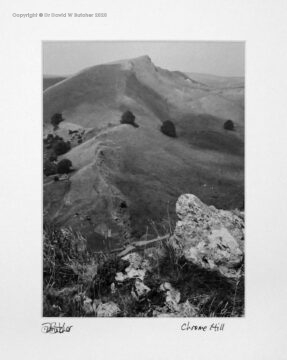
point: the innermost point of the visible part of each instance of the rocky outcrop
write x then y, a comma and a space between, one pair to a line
194, 272
109, 309
210, 238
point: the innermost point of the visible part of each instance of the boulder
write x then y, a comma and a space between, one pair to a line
210, 238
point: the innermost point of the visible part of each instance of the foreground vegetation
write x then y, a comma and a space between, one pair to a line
73, 275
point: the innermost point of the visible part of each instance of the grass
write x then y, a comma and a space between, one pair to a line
71, 274
66, 268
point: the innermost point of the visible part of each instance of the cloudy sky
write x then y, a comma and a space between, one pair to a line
218, 58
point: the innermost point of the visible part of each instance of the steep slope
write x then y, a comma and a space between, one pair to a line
125, 178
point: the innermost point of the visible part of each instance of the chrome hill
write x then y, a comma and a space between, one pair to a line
125, 179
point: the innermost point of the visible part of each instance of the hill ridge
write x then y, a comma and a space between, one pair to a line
147, 168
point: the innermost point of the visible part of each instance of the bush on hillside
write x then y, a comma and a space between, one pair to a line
168, 128
61, 147
128, 118
229, 125
64, 166
56, 119
50, 140
49, 168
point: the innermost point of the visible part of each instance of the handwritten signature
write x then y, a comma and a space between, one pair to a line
54, 328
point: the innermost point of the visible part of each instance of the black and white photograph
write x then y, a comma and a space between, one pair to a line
143, 179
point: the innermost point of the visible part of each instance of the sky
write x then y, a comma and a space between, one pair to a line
214, 57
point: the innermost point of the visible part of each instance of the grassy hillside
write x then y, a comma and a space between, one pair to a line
141, 167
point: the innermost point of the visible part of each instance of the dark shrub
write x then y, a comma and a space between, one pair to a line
49, 139
61, 147
64, 166
168, 128
56, 178
71, 132
53, 157
56, 119
49, 168
128, 118
228, 125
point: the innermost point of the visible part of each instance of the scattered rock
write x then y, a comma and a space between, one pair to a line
109, 309
134, 259
187, 310
172, 296
210, 238
120, 277
136, 270
141, 290
130, 274
88, 306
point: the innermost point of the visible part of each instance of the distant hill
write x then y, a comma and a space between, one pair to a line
126, 178
230, 88
218, 82
51, 80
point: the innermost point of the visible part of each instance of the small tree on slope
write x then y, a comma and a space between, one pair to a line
168, 128
228, 125
64, 166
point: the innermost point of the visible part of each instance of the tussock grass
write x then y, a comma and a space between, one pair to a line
67, 270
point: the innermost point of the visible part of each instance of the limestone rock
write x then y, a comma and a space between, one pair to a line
135, 273
141, 289
136, 270
109, 309
210, 238
120, 277
134, 259
172, 296
88, 306
187, 310
130, 274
